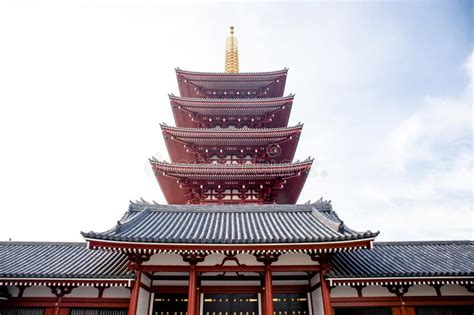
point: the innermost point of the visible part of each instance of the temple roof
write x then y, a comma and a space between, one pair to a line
270, 145
194, 112
229, 224
231, 85
238, 133
36, 261
184, 183
231, 102
406, 260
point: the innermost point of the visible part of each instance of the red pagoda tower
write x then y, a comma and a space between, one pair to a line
231, 143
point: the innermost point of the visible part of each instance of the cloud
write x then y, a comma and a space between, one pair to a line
425, 165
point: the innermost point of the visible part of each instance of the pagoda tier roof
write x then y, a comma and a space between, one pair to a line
267, 144
231, 85
191, 183
35, 263
194, 112
426, 262
232, 171
229, 227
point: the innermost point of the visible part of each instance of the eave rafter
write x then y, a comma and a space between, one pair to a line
320, 248
388, 281
66, 282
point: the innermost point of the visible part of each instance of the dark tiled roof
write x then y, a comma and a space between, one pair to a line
230, 224
406, 259
60, 260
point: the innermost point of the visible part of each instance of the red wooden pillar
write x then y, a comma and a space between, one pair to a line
325, 293
132, 308
134, 263
268, 291
267, 259
192, 303
193, 259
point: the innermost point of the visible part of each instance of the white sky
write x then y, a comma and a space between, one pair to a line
384, 90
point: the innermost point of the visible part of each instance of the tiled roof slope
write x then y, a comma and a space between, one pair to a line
230, 224
60, 260
406, 259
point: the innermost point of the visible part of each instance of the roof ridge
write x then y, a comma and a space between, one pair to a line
40, 243
228, 208
427, 242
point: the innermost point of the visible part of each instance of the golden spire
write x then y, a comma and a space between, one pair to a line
232, 53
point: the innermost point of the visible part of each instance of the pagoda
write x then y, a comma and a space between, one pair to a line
232, 143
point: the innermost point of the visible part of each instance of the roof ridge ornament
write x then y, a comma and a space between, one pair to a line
232, 53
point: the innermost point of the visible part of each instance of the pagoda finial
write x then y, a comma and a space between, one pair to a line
232, 53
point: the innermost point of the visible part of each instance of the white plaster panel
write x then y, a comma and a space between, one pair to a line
116, 292
374, 290
145, 280
344, 292
294, 259
421, 290
166, 259
143, 302
38, 291
317, 302
230, 283
315, 279
454, 290
84, 292
13, 291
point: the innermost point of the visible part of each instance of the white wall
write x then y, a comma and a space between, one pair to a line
449, 290
343, 291
38, 291
83, 292
373, 290
421, 290
166, 259
143, 302
116, 292
294, 259
316, 297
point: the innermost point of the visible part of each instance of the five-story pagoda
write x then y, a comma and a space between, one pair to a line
231, 143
